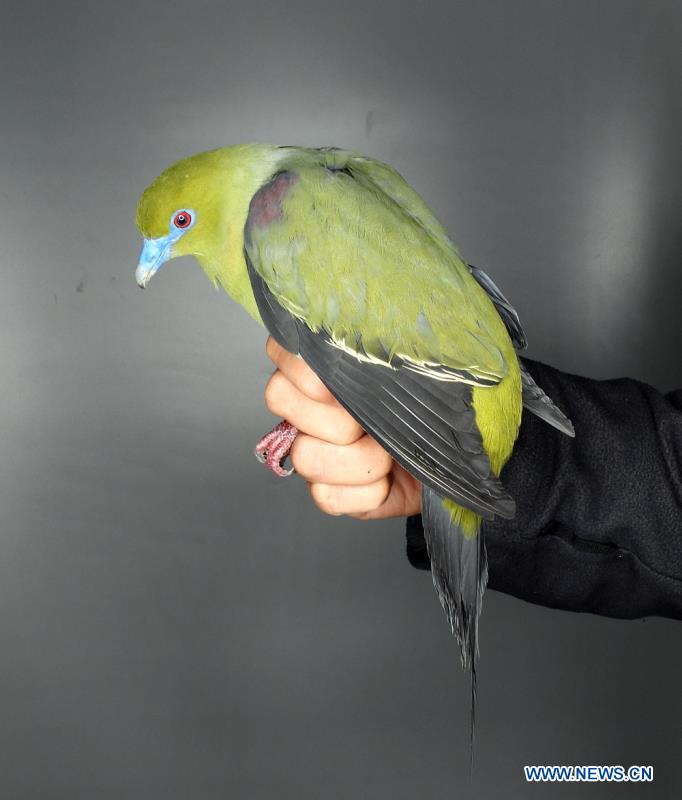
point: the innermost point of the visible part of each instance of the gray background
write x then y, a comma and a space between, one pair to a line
176, 623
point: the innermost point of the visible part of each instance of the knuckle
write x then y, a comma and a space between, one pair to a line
326, 498
273, 350
276, 353
383, 461
379, 495
347, 430
356, 461
275, 392
312, 386
369, 459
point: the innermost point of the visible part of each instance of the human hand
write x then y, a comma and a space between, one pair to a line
346, 470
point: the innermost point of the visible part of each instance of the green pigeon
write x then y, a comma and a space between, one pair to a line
346, 266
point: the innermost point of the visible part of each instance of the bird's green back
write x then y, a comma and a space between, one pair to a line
357, 251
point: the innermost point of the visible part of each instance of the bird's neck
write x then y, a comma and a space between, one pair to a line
245, 169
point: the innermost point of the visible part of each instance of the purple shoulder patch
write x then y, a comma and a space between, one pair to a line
266, 204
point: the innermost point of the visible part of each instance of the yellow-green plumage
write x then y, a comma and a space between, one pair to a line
219, 184
354, 263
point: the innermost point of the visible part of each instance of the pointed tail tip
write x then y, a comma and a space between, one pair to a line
472, 722
459, 572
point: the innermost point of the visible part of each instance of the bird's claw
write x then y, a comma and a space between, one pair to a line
274, 447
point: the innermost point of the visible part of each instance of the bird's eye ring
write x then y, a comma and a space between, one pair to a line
182, 220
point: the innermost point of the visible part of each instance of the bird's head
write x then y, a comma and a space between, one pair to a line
179, 214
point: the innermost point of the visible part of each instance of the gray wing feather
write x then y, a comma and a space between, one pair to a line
536, 401
427, 425
504, 308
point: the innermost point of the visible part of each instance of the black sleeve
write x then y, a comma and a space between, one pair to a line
599, 518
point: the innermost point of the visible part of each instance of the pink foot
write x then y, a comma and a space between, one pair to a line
274, 447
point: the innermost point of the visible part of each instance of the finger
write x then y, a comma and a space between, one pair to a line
322, 420
403, 500
338, 500
298, 372
356, 464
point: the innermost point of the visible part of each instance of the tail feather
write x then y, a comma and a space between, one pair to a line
460, 573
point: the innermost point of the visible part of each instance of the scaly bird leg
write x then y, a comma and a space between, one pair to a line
274, 447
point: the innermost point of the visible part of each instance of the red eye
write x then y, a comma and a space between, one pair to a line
183, 219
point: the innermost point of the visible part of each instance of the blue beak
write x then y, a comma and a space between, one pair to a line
155, 252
